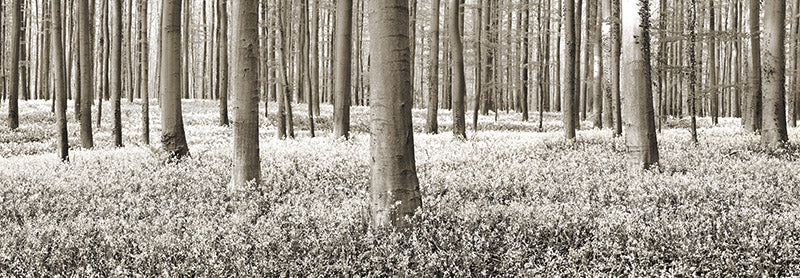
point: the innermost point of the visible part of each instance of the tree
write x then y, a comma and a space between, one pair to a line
774, 133
753, 122
246, 166
479, 68
59, 79
222, 70
394, 187
525, 66
693, 68
14, 60
432, 121
87, 87
569, 84
173, 137
116, 71
144, 67
597, 86
712, 69
616, 44
640, 135
459, 85
342, 68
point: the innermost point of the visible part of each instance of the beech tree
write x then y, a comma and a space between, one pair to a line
394, 190
570, 60
773, 70
246, 166
173, 137
14, 60
342, 68
753, 120
432, 121
459, 88
59, 80
640, 131
222, 70
85, 24
116, 70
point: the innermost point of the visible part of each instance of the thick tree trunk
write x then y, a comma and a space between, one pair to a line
87, 89
173, 137
432, 121
394, 187
774, 133
753, 123
116, 71
58, 79
568, 94
222, 70
14, 59
246, 166
342, 68
640, 135
459, 85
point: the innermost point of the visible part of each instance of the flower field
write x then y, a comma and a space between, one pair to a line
509, 201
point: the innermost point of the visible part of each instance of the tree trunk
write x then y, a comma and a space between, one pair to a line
173, 137
246, 166
116, 71
568, 94
479, 66
712, 66
525, 66
598, 66
314, 57
692, 69
459, 85
14, 61
640, 135
222, 70
58, 78
774, 133
342, 68
616, 45
754, 113
394, 187
432, 121
144, 68
796, 95
87, 89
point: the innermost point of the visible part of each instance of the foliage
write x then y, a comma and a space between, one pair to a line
503, 203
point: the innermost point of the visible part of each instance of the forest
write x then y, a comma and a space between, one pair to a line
399, 138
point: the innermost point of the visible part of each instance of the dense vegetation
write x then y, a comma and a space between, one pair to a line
508, 201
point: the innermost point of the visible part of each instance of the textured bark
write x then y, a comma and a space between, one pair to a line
608, 119
569, 103
306, 67
244, 44
525, 66
640, 135
87, 89
692, 83
432, 121
394, 187
459, 85
773, 70
753, 123
478, 27
616, 44
712, 66
342, 68
173, 137
597, 86
144, 68
59, 80
116, 70
796, 95
314, 56
14, 70
222, 70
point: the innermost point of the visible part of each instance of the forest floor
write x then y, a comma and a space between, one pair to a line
508, 201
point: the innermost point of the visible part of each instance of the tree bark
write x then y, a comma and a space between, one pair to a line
459, 85
14, 61
173, 137
116, 71
342, 68
525, 66
246, 166
616, 45
598, 66
753, 124
432, 121
568, 94
774, 133
87, 89
144, 67
58, 79
222, 70
640, 135
394, 187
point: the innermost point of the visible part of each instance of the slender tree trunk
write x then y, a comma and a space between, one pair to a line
222, 67
246, 166
459, 85
314, 57
692, 68
116, 71
796, 95
306, 66
598, 66
342, 68
616, 45
173, 137
479, 68
712, 68
432, 121
85, 25
394, 189
58, 78
774, 133
525, 66
640, 136
754, 113
14, 61
144, 64
412, 44
570, 61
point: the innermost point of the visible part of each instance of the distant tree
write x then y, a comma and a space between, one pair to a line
640, 134
246, 166
569, 85
459, 85
394, 187
342, 68
173, 137
693, 68
222, 70
597, 83
14, 60
59, 80
116, 71
774, 133
479, 68
432, 121
753, 122
85, 24
616, 45
144, 67
525, 66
